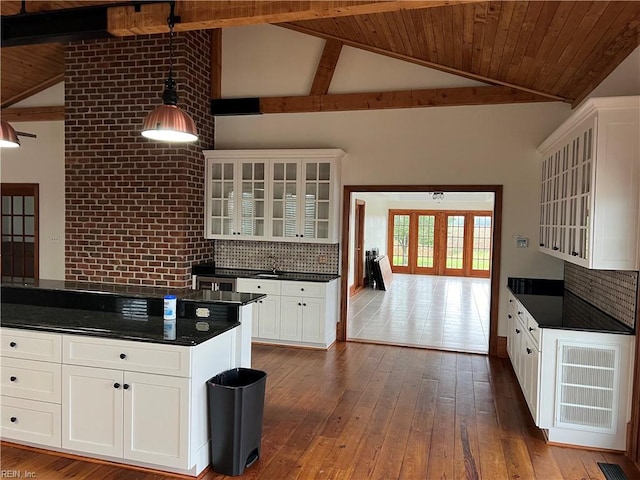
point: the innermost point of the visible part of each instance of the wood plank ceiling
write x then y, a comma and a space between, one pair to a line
558, 49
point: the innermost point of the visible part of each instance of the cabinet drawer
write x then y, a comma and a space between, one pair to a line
30, 421
30, 379
534, 330
30, 345
304, 289
125, 355
252, 285
513, 302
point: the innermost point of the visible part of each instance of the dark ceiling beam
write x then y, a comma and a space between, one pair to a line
424, 63
216, 63
340, 102
54, 26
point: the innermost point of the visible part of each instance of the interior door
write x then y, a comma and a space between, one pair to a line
358, 253
20, 232
426, 242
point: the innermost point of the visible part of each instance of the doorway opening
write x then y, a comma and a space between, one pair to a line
445, 258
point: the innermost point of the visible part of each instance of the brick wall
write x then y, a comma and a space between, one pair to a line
134, 207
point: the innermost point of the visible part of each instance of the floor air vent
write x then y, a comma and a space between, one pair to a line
612, 471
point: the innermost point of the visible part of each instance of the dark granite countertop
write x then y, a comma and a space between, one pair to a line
141, 328
209, 269
554, 307
135, 291
120, 311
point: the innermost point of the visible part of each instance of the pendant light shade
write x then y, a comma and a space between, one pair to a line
168, 123
8, 136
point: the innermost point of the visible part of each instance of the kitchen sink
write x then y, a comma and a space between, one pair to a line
268, 275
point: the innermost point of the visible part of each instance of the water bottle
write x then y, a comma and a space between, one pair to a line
169, 316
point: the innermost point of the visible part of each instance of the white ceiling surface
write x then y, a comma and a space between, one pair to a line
296, 55
49, 97
624, 80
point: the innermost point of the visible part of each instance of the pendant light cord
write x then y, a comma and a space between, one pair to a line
171, 23
169, 96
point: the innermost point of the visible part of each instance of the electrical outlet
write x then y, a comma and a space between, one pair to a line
322, 259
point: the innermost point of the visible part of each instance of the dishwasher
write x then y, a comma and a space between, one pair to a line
203, 277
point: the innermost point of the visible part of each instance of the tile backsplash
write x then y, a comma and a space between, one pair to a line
614, 292
289, 257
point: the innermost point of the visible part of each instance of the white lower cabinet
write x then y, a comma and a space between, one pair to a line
138, 403
294, 312
30, 381
267, 317
576, 383
302, 319
136, 416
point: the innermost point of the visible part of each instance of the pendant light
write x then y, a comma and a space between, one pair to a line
168, 123
8, 136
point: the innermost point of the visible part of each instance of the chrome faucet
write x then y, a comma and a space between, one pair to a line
274, 264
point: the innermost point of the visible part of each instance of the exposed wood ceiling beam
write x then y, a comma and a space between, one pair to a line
194, 15
326, 67
438, 97
33, 90
32, 114
424, 63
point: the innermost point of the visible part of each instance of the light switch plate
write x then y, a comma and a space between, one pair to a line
522, 242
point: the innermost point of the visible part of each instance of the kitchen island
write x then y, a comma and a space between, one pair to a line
87, 369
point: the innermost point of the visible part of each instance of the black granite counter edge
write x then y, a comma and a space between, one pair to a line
525, 289
119, 335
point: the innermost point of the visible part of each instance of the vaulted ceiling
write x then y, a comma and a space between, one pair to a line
558, 50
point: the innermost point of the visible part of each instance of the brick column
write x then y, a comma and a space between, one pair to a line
134, 207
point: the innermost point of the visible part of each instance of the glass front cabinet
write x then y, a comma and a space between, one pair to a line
590, 186
236, 203
277, 195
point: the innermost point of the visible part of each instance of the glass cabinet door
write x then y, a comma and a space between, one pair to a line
317, 198
222, 198
252, 211
284, 199
586, 162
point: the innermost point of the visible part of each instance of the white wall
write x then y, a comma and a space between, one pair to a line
422, 146
41, 160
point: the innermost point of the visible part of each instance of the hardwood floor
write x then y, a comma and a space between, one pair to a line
365, 411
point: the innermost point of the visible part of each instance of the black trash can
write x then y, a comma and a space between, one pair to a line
236, 406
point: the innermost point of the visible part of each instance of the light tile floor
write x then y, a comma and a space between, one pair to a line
447, 313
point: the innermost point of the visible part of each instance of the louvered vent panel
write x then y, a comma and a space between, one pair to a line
587, 387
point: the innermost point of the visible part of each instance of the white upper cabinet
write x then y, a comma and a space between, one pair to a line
236, 198
590, 186
278, 195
